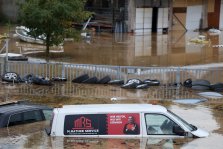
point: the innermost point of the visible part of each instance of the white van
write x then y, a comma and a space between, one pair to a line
120, 120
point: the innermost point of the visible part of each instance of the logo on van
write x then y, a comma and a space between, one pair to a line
83, 123
101, 124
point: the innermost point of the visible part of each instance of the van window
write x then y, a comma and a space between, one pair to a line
158, 124
189, 126
47, 114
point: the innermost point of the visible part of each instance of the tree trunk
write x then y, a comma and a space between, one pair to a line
47, 47
47, 51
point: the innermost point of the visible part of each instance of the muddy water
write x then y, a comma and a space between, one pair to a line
206, 115
173, 49
33, 135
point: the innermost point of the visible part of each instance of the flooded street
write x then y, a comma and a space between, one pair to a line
206, 115
173, 49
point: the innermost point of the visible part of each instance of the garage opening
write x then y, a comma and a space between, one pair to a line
154, 19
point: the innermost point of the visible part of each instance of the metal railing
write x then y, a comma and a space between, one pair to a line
166, 75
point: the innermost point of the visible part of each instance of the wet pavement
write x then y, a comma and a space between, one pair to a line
173, 49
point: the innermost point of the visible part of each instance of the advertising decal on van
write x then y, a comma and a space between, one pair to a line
102, 124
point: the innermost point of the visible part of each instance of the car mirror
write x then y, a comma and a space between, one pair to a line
178, 130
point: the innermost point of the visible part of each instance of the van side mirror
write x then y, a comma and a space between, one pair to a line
178, 130
48, 131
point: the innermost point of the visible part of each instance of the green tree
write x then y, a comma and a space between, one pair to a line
51, 18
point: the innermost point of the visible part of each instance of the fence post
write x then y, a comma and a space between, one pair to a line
5, 63
63, 71
178, 76
119, 73
1, 66
95, 71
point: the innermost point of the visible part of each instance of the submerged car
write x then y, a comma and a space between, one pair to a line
21, 112
120, 120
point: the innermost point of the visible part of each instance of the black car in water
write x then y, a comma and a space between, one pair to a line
22, 112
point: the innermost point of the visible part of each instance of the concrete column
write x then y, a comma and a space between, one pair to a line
131, 15
204, 24
170, 14
221, 16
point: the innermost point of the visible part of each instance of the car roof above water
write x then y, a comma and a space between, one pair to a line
19, 107
15, 108
111, 108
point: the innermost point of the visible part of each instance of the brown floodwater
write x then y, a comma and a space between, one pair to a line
206, 115
172, 49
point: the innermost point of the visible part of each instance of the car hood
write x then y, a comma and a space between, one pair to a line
200, 133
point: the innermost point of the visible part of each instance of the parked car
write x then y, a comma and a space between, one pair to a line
120, 120
21, 112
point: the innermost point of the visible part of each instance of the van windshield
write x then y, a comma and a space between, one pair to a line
189, 126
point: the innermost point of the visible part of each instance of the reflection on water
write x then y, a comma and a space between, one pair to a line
28, 48
23, 136
94, 91
143, 143
147, 50
173, 49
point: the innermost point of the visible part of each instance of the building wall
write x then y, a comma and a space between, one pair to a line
221, 16
190, 18
214, 14
195, 13
143, 21
193, 17
163, 20
142, 15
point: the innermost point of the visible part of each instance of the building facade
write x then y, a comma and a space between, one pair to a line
143, 16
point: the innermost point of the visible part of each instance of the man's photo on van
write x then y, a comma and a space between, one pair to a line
131, 127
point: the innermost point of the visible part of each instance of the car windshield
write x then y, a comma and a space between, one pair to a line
189, 126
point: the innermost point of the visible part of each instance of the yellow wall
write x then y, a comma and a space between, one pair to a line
185, 3
194, 2
179, 3
211, 5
